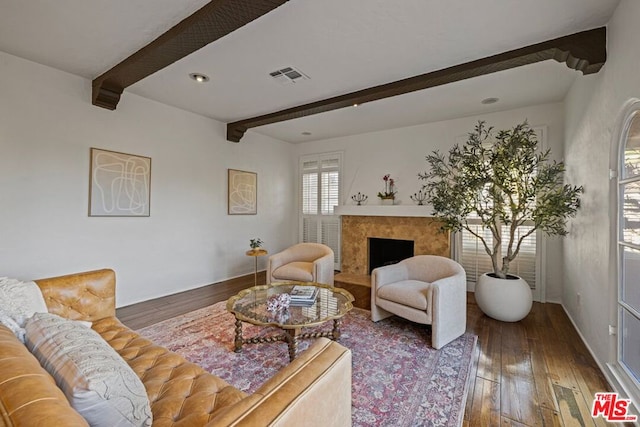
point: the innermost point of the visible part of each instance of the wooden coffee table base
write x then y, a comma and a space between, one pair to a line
291, 336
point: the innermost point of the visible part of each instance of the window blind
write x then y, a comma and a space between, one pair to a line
475, 260
320, 188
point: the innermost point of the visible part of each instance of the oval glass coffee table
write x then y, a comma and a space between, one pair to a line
250, 305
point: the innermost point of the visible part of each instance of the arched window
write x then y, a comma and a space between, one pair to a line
628, 336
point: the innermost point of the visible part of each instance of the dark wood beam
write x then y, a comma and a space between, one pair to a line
213, 21
585, 52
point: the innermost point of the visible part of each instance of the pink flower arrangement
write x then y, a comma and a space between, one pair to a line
278, 302
389, 188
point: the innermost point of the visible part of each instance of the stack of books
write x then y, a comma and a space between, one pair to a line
303, 296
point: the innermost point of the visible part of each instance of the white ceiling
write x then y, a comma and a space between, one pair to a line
342, 45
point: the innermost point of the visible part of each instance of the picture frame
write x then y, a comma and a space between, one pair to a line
242, 192
119, 184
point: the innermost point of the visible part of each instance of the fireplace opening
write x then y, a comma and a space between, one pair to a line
388, 251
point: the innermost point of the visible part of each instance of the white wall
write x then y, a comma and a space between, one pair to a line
401, 152
47, 125
593, 112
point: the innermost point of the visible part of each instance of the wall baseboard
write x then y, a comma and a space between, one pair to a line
613, 382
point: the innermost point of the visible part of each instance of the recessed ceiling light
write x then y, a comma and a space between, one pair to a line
306, 133
200, 78
356, 104
487, 101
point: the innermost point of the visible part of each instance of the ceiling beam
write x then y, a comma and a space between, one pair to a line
213, 21
585, 51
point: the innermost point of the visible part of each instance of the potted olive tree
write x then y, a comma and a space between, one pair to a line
504, 181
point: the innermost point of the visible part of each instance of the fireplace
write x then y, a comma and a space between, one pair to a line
388, 251
424, 232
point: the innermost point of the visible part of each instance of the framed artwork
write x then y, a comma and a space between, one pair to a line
120, 184
243, 192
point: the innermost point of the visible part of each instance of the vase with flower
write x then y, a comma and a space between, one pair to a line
387, 197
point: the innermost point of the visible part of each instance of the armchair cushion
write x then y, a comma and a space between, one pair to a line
297, 270
414, 293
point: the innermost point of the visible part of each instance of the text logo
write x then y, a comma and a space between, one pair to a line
612, 408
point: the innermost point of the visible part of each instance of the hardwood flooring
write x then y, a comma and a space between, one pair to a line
536, 372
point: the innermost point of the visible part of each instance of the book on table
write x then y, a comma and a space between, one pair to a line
303, 295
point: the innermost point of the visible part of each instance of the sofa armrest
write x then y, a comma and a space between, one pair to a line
29, 396
323, 269
314, 390
449, 317
89, 295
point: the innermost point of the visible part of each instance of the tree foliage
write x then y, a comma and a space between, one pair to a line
503, 179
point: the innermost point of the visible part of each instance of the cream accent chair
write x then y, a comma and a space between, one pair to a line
304, 262
425, 289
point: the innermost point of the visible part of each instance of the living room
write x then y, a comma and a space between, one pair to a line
190, 241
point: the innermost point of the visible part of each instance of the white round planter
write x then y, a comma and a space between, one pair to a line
508, 300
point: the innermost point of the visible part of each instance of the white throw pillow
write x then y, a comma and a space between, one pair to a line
98, 383
18, 302
9, 322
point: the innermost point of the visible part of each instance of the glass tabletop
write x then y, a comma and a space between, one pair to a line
250, 305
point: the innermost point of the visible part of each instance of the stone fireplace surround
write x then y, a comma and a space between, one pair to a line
359, 223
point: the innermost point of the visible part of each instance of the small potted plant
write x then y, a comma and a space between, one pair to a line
504, 181
388, 196
255, 244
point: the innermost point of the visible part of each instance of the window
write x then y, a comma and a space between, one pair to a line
470, 253
320, 187
628, 300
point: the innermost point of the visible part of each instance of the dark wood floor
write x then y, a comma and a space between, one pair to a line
536, 372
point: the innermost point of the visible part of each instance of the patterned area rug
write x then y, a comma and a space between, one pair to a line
398, 379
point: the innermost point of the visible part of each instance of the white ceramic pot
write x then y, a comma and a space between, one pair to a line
508, 300
386, 201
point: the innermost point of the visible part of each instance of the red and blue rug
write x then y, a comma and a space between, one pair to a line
398, 379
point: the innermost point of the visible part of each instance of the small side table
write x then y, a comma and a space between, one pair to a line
256, 253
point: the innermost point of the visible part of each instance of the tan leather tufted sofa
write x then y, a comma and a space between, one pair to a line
314, 390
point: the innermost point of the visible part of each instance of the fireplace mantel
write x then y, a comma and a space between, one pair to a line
382, 210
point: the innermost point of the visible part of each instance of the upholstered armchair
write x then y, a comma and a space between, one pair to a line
425, 289
304, 262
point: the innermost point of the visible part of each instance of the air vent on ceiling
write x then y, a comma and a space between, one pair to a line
288, 75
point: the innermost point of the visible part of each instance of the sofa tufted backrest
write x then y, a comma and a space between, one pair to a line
89, 296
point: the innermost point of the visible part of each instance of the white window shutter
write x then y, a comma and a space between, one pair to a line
310, 229
330, 189
320, 194
309, 193
331, 236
